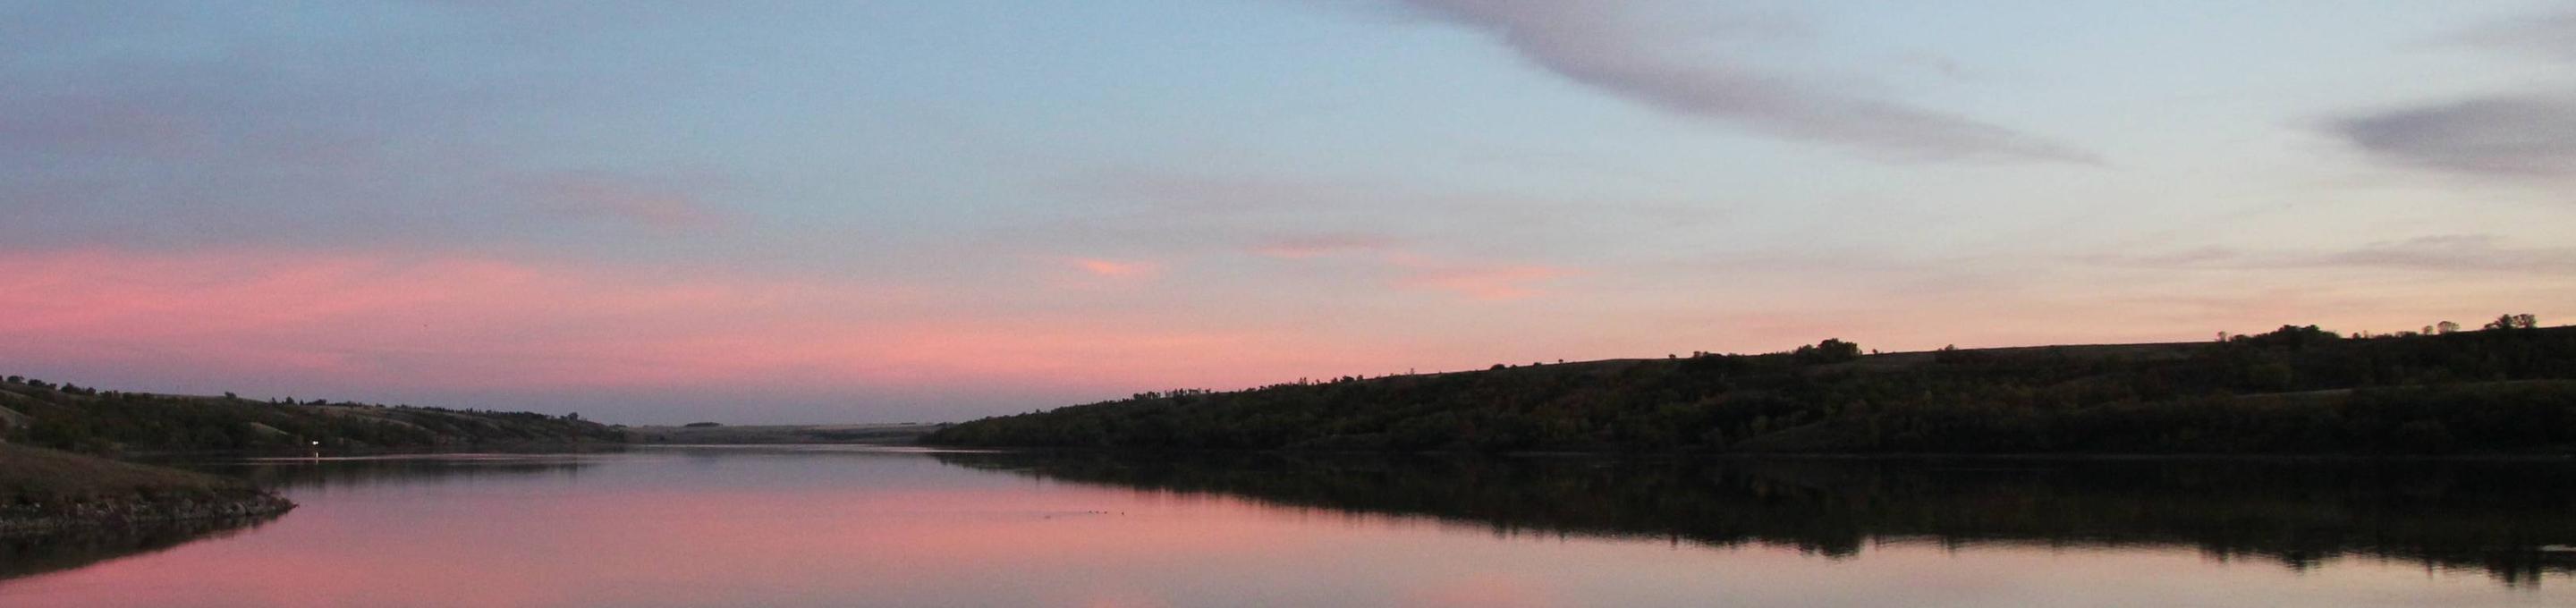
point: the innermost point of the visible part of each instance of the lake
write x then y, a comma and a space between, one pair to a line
861, 526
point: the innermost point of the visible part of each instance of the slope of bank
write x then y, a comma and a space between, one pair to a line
91, 420
46, 491
2300, 390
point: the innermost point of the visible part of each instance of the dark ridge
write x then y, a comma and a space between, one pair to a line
90, 420
2299, 390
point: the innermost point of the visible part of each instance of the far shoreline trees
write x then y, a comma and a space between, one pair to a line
93, 421
2297, 389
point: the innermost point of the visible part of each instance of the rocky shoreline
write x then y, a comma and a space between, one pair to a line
45, 492
39, 519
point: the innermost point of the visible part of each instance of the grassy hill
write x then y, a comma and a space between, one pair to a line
2297, 390
64, 416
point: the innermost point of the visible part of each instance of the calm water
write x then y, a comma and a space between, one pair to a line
835, 526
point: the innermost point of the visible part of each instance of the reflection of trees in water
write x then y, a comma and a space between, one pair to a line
22, 557
2494, 516
280, 473
29, 556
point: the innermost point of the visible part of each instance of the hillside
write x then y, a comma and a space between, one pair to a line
2297, 390
69, 417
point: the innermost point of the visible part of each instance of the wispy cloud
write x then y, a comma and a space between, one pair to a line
1471, 278
1407, 268
1485, 282
1319, 245
2522, 136
2550, 36
95, 124
463, 321
2457, 252
1292, 216
1115, 268
1639, 50
652, 203
2445, 253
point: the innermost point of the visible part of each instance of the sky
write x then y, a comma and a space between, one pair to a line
804, 212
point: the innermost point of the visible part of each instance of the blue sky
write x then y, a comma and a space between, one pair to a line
833, 211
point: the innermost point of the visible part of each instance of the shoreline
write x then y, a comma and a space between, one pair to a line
42, 520
2528, 457
43, 492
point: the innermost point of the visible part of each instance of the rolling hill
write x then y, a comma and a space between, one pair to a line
2299, 390
69, 417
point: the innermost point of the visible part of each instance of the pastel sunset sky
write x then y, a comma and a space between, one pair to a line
935, 210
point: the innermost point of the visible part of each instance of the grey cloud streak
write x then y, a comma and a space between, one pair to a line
2550, 36
2442, 253
2514, 136
1621, 47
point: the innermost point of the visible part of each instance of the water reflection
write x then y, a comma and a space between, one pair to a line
837, 526
359, 471
2510, 519
29, 556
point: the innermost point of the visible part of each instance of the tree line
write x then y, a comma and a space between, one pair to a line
2297, 389
86, 419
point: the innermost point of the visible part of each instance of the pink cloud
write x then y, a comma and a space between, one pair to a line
652, 203
1486, 282
1476, 279
1115, 268
1321, 245
467, 322
1482, 280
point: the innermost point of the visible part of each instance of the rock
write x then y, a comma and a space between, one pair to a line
39, 519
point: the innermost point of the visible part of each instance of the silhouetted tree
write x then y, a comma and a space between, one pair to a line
1831, 350
2521, 321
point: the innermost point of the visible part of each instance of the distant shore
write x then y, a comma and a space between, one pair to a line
719, 434
2300, 390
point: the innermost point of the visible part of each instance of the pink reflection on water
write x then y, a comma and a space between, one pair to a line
660, 533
